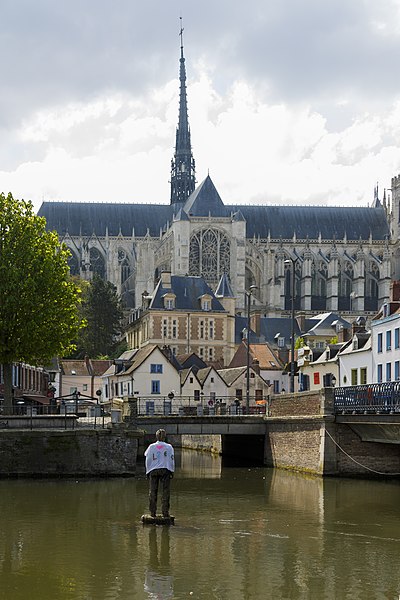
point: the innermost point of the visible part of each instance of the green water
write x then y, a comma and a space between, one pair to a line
240, 533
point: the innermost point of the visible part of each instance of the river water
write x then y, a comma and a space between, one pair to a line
240, 533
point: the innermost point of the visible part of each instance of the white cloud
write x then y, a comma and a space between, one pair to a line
118, 149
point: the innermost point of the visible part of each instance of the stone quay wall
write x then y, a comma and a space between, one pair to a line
71, 453
295, 437
294, 445
368, 459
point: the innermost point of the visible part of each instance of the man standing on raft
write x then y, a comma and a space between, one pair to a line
160, 467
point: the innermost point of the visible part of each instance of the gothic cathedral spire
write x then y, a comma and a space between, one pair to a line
183, 178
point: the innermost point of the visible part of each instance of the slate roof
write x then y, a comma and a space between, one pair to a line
188, 290
224, 289
240, 324
283, 222
325, 324
331, 222
205, 200
271, 327
84, 218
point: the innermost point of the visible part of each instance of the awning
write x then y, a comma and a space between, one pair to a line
39, 399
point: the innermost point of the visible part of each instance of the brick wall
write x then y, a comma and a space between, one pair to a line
301, 404
384, 458
294, 446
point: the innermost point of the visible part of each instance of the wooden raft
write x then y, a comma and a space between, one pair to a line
158, 520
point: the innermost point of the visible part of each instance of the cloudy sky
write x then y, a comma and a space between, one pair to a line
290, 101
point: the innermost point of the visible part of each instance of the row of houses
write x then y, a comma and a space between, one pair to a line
183, 313
370, 354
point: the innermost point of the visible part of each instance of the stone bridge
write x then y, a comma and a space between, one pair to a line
302, 431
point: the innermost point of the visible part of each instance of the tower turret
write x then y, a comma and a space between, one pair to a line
183, 178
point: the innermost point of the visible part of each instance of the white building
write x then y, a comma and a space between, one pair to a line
146, 374
355, 361
386, 344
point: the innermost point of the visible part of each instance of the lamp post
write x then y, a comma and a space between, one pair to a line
98, 394
248, 294
293, 261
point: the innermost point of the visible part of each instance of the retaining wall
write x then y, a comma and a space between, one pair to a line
101, 452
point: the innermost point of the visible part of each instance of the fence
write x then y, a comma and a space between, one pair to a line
370, 398
203, 406
26, 416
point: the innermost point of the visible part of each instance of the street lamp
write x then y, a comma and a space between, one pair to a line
248, 294
75, 396
293, 261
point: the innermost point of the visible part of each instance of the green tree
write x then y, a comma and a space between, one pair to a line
38, 302
102, 312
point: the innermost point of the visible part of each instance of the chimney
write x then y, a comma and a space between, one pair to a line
166, 279
395, 291
343, 334
255, 365
358, 325
301, 321
256, 323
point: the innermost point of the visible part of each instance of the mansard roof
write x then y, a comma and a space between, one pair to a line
188, 291
277, 222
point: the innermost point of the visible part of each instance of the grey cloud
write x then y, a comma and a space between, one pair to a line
304, 50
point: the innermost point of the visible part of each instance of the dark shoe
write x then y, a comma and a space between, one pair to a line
153, 515
166, 515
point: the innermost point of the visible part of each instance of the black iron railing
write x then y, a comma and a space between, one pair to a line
370, 398
203, 406
26, 416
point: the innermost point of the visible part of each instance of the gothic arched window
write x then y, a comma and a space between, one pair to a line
371, 290
124, 265
289, 283
209, 255
73, 263
97, 262
319, 272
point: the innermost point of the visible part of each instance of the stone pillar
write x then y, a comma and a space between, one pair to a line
385, 278
332, 285
306, 277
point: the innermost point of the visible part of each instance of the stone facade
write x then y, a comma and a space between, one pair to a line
342, 258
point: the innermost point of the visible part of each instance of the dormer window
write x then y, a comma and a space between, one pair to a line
281, 342
206, 302
169, 301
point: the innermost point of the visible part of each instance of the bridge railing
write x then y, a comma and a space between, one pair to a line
205, 406
369, 398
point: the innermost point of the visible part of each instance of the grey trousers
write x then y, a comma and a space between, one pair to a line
156, 477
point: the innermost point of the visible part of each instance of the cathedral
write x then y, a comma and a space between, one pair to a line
338, 259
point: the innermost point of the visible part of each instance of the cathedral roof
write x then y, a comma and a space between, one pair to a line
331, 222
84, 218
205, 201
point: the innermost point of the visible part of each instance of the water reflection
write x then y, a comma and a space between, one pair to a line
240, 533
159, 579
202, 465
